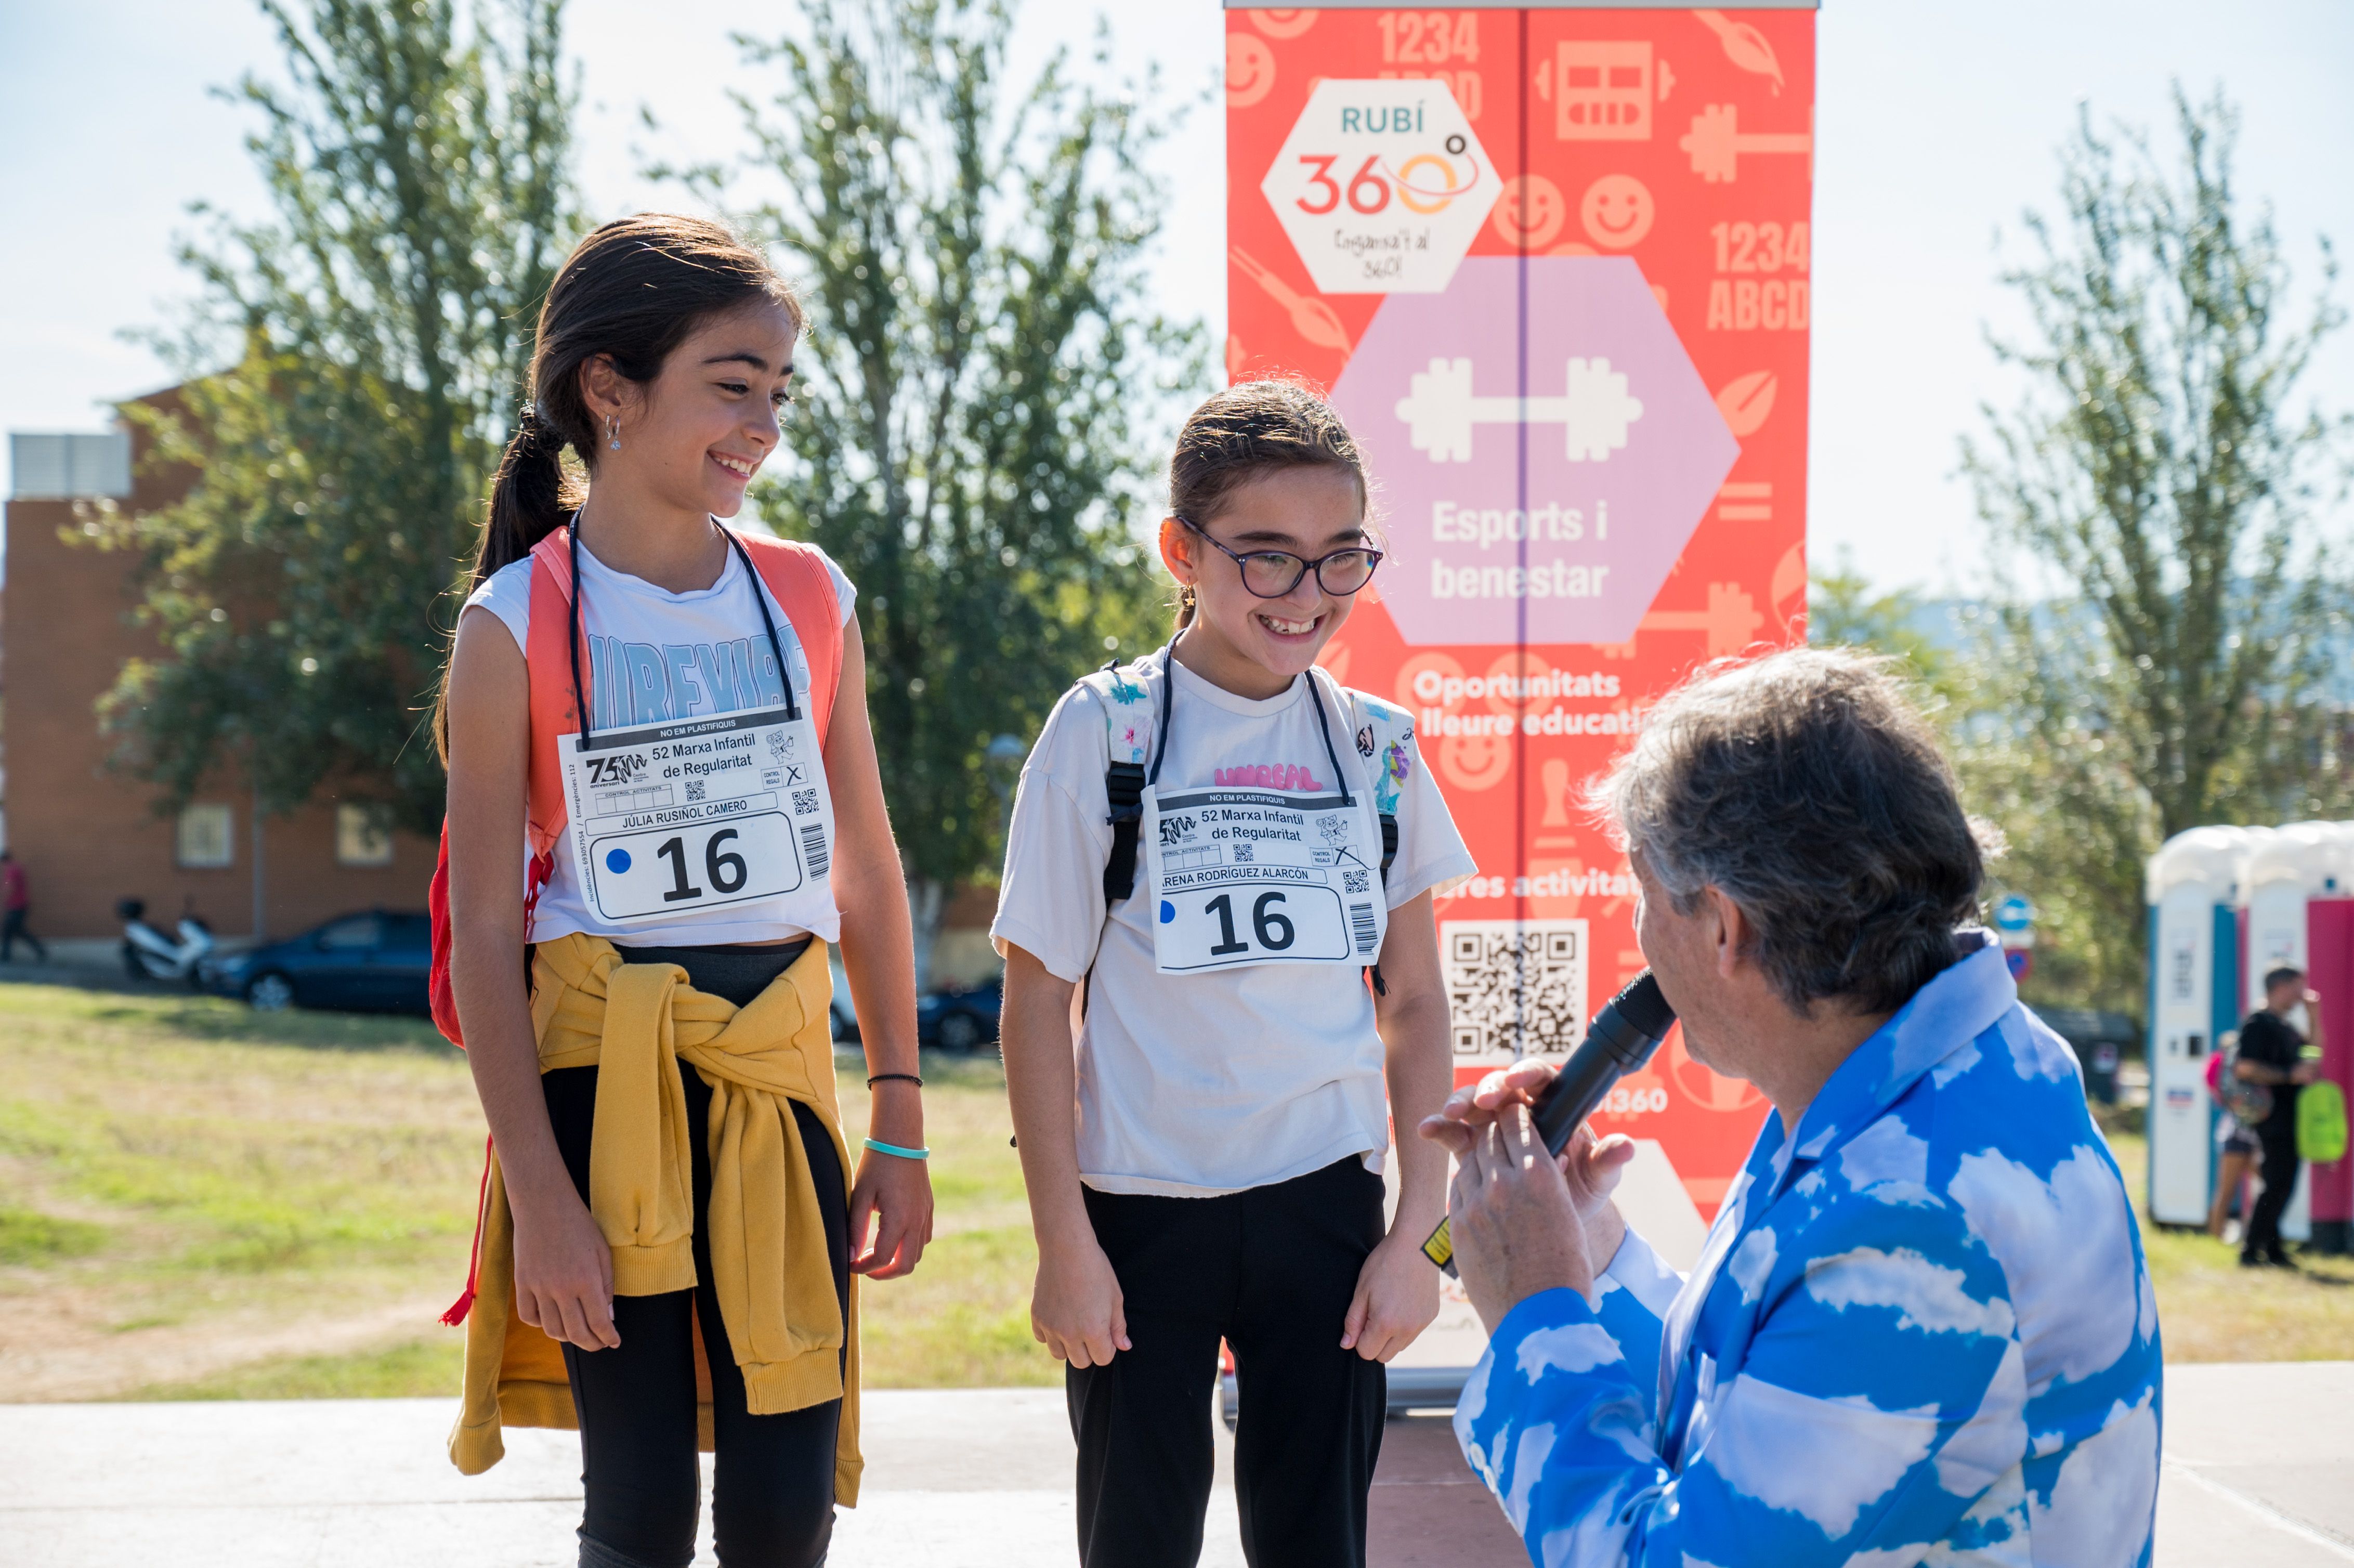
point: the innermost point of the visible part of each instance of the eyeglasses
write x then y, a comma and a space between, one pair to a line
1271, 574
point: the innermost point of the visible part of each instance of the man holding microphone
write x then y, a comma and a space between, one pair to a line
1921, 1329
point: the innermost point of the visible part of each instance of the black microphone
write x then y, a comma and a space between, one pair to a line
1619, 1041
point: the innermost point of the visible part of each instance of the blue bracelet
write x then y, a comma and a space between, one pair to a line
894, 1148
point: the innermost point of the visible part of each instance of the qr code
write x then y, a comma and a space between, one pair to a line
1243, 854
1355, 882
805, 803
1515, 988
694, 788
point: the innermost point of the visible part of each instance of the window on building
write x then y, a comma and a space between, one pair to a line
361, 836
205, 837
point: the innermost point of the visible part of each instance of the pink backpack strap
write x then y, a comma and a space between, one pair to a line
550, 663
797, 580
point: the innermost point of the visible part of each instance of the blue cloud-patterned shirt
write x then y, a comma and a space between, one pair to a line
1922, 1330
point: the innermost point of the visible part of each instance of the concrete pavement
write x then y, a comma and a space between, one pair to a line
2260, 1468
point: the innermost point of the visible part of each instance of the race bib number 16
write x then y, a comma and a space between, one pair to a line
1259, 877
678, 818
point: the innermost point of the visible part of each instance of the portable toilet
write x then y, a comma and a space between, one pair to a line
2298, 891
2300, 899
2194, 990
2293, 866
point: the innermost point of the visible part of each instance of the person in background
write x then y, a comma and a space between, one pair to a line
2272, 1053
16, 896
2235, 1146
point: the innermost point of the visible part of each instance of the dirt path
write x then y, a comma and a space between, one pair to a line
54, 1346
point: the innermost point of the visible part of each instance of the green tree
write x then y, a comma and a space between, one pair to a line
977, 388
375, 329
1843, 610
2159, 657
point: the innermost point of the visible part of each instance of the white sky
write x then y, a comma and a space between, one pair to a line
1937, 123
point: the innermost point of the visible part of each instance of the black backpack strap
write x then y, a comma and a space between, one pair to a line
1124, 786
1389, 843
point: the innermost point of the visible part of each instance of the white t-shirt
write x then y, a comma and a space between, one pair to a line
1191, 1085
659, 656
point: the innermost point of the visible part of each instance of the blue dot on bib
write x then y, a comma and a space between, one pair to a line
618, 862
1168, 911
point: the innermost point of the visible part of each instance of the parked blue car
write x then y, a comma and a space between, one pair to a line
960, 1020
374, 962
945, 1021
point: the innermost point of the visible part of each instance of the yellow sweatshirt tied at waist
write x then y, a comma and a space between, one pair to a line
774, 1280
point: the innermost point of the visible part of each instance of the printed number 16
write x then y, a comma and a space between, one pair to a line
726, 871
1263, 920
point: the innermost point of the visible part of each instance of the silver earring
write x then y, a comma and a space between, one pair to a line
613, 432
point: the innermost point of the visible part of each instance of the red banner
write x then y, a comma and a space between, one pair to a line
1552, 266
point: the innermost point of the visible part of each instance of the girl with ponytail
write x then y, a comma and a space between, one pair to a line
676, 715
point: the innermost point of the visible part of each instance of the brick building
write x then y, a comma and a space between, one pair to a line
87, 836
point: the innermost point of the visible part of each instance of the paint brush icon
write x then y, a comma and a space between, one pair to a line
1312, 319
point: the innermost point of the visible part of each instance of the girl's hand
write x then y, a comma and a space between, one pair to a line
563, 1270
1076, 1311
1397, 1298
893, 1198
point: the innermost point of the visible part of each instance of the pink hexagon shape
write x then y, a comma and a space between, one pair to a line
1542, 497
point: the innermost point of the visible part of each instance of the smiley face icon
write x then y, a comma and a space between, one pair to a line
1250, 69
1529, 212
1618, 211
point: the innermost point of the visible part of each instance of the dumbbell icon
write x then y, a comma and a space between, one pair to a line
1594, 410
1729, 623
1716, 143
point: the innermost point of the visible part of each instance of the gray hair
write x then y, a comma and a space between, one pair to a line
1810, 791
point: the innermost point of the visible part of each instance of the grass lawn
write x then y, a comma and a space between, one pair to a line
2211, 1310
200, 1202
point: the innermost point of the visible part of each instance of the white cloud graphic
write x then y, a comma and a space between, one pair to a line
1527, 1466
1889, 1162
1955, 1063
2035, 1051
1753, 1260
1823, 1459
2102, 1503
2066, 1247
1644, 1272
1595, 1537
1572, 1348
1993, 1442
1470, 1405
1928, 1296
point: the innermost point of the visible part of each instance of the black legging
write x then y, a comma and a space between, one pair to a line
2278, 1136
772, 1487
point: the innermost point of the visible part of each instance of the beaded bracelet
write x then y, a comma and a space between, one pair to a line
885, 1077
882, 1148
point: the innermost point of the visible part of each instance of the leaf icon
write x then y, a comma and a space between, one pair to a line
1744, 46
1746, 400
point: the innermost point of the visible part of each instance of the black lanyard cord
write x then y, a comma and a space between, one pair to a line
759, 596
1169, 701
572, 636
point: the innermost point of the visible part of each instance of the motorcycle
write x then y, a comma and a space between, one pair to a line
149, 954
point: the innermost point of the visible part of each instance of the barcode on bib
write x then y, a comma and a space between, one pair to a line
1360, 923
813, 847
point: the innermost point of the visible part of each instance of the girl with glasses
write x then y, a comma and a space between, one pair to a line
1223, 992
